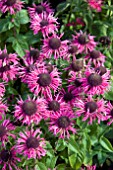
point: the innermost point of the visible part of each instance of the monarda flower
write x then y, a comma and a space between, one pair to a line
10, 5
2, 89
3, 109
91, 109
94, 82
54, 45
109, 113
30, 110
84, 42
39, 9
31, 144
41, 81
95, 57
44, 23
95, 4
5, 131
61, 123
9, 159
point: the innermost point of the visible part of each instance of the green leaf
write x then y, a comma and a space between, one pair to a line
21, 17
40, 166
106, 144
73, 146
60, 145
6, 24
61, 167
75, 161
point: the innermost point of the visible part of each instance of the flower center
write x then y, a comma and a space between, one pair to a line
102, 70
68, 96
34, 54
40, 9
94, 79
44, 23
111, 112
94, 54
63, 122
5, 155
72, 49
2, 131
44, 79
77, 83
54, 105
91, 106
10, 2
77, 65
3, 56
30, 68
83, 39
29, 108
5, 68
49, 68
32, 142
54, 43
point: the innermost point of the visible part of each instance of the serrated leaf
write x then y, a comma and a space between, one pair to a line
106, 144
40, 166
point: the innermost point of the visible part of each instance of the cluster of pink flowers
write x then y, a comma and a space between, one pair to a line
87, 79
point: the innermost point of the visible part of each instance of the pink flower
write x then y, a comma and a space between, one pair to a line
10, 5
61, 123
31, 145
94, 83
91, 109
53, 45
30, 110
95, 4
8, 65
8, 159
5, 128
3, 109
84, 42
89, 167
41, 81
38, 9
2, 89
44, 23
95, 57
109, 113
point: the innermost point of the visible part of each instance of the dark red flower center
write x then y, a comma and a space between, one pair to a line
44, 23
105, 40
72, 49
63, 122
94, 79
10, 2
83, 39
77, 83
68, 96
54, 43
34, 54
77, 65
5, 68
94, 54
39, 9
44, 79
91, 106
111, 113
102, 70
29, 108
54, 105
32, 142
49, 68
3, 56
2, 131
5, 155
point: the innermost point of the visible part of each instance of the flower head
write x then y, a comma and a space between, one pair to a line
109, 113
95, 4
30, 144
94, 82
54, 45
44, 23
61, 123
5, 128
39, 9
3, 109
91, 109
84, 42
30, 110
10, 5
40, 80
8, 158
